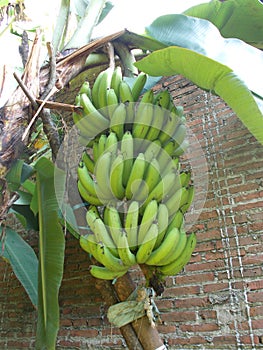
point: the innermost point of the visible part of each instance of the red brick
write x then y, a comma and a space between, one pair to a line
255, 285
186, 341
189, 302
179, 316
181, 291
224, 339
209, 265
215, 287
255, 297
86, 333
196, 278
256, 311
204, 327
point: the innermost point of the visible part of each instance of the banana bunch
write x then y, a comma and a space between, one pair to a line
120, 240
130, 177
116, 173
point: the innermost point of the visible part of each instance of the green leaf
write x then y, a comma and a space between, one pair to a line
25, 216
241, 19
18, 174
51, 256
23, 261
209, 75
203, 37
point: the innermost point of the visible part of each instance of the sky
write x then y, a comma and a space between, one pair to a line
141, 13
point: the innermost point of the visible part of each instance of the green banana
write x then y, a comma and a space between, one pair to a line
163, 99
101, 144
112, 219
104, 273
86, 180
169, 127
190, 198
147, 97
152, 175
185, 178
132, 224
125, 93
176, 200
89, 163
142, 121
89, 244
85, 89
88, 197
102, 175
159, 256
138, 86
156, 124
125, 254
147, 245
177, 220
112, 102
117, 121
116, 175
181, 149
127, 152
116, 80
111, 144
95, 149
149, 216
152, 150
112, 98
92, 215
177, 265
110, 261
172, 165
179, 135
92, 115
163, 222
102, 235
178, 249
86, 128
161, 189
99, 91
136, 176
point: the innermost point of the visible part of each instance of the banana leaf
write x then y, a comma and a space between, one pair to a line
51, 256
209, 75
23, 260
203, 37
241, 19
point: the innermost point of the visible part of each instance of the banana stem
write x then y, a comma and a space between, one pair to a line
147, 335
127, 59
107, 291
82, 34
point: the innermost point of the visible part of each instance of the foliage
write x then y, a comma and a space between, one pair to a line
209, 75
51, 256
241, 19
22, 259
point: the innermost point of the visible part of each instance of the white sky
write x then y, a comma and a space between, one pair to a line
136, 14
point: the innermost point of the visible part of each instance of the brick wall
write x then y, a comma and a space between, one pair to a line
216, 303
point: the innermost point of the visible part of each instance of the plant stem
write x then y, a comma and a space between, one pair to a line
127, 59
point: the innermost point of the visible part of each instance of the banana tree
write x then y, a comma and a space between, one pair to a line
171, 45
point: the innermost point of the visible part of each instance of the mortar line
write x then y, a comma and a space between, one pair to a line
221, 215
232, 216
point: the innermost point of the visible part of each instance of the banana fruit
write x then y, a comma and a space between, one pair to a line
129, 177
